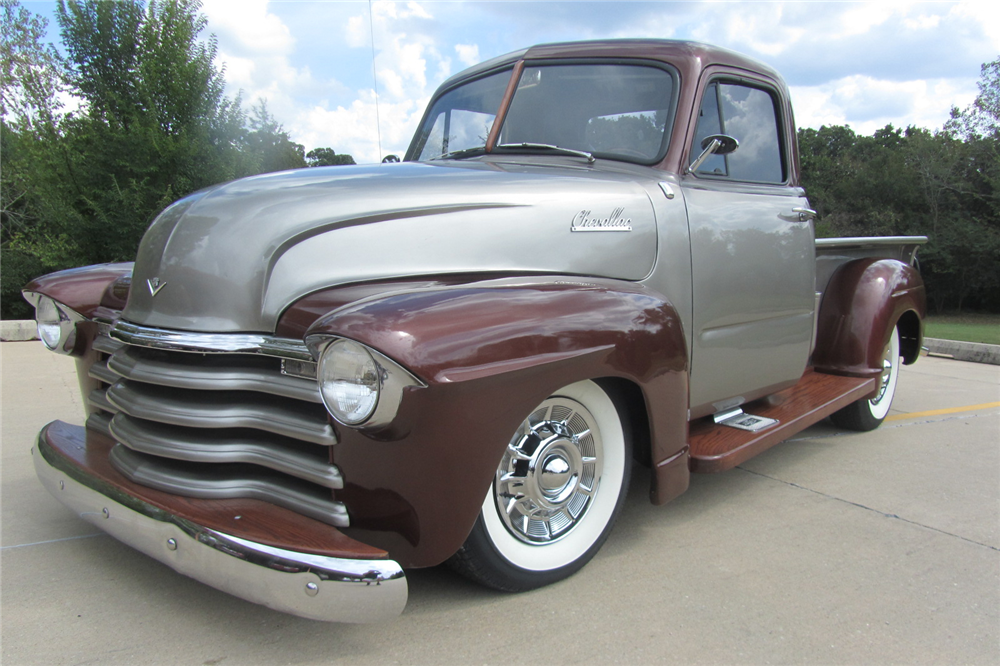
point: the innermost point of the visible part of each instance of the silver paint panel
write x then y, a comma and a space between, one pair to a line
753, 280
237, 255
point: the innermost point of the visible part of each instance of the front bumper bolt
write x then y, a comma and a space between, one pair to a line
312, 589
107, 514
171, 544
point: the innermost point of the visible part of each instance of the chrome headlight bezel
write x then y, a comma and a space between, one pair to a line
386, 378
56, 322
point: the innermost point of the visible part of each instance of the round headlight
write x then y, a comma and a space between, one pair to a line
349, 381
54, 327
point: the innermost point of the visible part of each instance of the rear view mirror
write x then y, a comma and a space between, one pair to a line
714, 144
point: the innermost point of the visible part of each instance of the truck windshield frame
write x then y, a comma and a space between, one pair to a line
620, 110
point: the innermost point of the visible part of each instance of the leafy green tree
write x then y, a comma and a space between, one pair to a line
327, 157
156, 124
268, 146
31, 77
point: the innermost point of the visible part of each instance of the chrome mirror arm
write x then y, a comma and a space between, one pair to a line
710, 149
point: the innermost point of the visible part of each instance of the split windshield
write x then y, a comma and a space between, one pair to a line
616, 111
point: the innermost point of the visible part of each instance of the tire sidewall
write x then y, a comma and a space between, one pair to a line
879, 410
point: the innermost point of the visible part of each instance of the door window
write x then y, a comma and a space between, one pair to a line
750, 116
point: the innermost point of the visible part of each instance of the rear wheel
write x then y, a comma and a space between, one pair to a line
868, 414
555, 495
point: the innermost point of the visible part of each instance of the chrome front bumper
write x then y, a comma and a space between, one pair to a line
311, 586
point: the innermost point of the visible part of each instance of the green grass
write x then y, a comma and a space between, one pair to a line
968, 328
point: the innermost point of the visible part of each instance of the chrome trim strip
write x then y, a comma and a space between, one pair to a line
210, 343
177, 478
169, 442
870, 241
312, 586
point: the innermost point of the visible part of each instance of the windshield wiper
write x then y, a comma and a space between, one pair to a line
461, 154
546, 146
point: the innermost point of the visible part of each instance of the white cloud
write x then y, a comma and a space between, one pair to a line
864, 64
468, 54
868, 104
250, 28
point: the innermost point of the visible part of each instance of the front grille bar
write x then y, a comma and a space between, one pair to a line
210, 343
185, 444
215, 373
185, 480
224, 409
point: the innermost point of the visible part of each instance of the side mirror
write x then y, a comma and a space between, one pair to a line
714, 144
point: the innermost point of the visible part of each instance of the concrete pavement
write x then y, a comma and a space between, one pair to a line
831, 548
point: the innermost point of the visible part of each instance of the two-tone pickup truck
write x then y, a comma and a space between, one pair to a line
596, 257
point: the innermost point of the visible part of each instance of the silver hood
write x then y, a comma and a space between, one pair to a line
233, 257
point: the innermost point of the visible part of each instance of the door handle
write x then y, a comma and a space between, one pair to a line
805, 214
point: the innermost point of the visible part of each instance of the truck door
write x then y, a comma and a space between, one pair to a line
752, 254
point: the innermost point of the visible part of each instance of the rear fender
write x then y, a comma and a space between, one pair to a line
864, 301
489, 353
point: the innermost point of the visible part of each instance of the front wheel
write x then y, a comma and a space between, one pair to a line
867, 414
556, 493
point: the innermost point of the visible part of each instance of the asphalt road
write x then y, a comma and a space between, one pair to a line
832, 548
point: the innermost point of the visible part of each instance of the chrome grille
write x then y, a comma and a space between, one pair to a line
218, 424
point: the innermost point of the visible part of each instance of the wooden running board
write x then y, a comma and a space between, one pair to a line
716, 448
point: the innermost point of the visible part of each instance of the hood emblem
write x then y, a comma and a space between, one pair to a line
585, 221
155, 285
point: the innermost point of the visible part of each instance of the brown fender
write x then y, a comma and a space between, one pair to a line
86, 289
863, 302
489, 353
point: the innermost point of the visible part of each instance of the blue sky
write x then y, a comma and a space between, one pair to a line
863, 64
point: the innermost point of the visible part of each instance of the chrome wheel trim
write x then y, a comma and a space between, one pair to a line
887, 381
587, 529
550, 472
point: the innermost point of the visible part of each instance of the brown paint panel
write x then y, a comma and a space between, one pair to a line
508, 95
671, 478
297, 319
82, 289
85, 453
490, 353
862, 303
717, 448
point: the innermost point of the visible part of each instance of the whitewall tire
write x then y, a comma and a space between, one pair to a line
556, 494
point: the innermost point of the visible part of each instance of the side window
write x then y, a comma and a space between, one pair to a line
750, 116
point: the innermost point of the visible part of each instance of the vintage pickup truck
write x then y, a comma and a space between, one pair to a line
594, 256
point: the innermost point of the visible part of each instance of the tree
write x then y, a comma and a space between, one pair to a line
268, 146
982, 118
327, 157
32, 76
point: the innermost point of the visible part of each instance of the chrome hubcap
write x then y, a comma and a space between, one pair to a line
550, 472
886, 374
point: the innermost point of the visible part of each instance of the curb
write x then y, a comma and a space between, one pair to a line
975, 352
13, 330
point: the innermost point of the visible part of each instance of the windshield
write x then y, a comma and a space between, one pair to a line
618, 111
461, 118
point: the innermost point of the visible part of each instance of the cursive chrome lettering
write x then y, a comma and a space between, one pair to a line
584, 221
